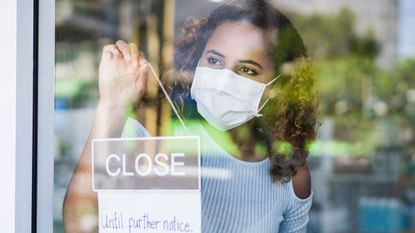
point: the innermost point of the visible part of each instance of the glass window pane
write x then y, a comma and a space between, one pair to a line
241, 116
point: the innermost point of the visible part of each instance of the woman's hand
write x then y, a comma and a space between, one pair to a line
122, 75
122, 81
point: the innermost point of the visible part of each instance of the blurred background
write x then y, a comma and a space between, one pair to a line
363, 52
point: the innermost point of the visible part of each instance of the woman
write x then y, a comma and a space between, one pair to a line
233, 65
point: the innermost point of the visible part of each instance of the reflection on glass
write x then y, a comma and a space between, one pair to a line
362, 161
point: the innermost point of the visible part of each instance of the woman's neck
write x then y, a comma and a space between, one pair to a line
237, 142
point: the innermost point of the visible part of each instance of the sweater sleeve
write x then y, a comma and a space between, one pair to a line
133, 128
296, 216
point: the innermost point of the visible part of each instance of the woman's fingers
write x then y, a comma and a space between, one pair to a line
142, 64
141, 81
142, 73
121, 49
138, 62
110, 51
125, 49
135, 54
126, 67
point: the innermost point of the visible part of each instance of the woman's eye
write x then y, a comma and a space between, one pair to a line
248, 71
214, 61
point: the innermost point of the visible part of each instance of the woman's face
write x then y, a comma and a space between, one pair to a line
240, 47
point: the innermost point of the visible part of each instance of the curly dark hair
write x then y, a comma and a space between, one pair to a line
290, 118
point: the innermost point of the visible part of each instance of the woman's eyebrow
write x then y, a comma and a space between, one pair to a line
251, 62
241, 61
216, 53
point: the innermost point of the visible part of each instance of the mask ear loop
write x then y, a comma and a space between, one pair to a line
167, 96
266, 101
275, 79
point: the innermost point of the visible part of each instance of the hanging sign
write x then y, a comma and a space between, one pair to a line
147, 184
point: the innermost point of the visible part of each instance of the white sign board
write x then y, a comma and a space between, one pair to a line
147, 184
161, 212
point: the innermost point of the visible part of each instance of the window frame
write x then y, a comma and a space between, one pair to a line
25, 124
45, 116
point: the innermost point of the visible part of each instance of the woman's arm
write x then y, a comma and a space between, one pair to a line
122, 81
296, 216
302, 182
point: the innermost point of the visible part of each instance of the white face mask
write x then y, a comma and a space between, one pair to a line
225, 99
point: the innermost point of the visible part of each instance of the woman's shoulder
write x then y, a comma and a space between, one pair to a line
301, 183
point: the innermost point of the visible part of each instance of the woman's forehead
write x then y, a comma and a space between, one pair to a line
240, 40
